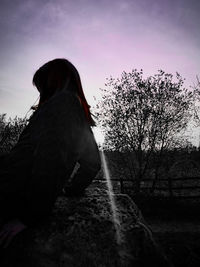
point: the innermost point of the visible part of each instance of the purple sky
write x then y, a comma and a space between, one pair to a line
101, 38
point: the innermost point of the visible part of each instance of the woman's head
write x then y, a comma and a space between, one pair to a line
60, 74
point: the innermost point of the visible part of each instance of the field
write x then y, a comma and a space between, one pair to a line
176, 227
172, 213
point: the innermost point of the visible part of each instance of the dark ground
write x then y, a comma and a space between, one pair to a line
176, 227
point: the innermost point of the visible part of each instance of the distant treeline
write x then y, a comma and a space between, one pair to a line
10, 130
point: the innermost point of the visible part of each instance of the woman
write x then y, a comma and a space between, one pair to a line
58, 136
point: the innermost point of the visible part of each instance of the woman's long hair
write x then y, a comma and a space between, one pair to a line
56, 75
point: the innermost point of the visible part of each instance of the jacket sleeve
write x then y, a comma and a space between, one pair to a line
89, 165
2, 159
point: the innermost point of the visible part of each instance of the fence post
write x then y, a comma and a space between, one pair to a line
121, 185
170, 186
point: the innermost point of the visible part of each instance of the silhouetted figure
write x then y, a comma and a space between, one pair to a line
58, 136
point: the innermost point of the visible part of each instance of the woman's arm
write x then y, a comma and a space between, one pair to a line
2, 159
90, 164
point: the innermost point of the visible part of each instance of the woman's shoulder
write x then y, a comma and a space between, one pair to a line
72, 98
64, 100
61, 108
60, 103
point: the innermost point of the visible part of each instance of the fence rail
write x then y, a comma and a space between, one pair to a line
151, 180
174, 188
171, 189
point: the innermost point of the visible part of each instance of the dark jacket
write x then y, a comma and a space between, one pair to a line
35, 171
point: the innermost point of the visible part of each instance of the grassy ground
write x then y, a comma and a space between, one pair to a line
176, 227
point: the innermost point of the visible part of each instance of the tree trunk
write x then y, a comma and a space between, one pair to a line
154, 182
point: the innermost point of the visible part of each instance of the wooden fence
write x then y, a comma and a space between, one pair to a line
180, 188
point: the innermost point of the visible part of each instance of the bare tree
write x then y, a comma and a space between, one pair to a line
143, 115
196, 88
10, 131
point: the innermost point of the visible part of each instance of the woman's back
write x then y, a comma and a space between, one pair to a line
57, 137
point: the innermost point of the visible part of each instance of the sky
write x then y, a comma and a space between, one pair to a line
101, 38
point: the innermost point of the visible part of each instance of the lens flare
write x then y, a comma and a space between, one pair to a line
112, 199
99, 137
